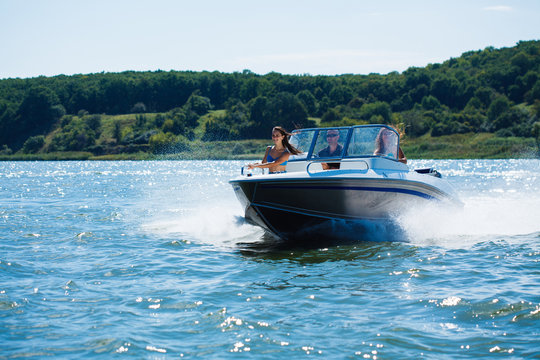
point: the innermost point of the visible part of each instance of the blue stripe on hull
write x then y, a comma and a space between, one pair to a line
357, 188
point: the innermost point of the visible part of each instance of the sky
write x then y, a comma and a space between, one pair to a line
317, 37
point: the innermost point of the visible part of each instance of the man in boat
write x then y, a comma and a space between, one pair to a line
334, 149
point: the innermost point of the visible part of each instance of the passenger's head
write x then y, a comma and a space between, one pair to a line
332, 136
385, 141
280, 135
387, 135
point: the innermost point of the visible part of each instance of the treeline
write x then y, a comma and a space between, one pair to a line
491, 90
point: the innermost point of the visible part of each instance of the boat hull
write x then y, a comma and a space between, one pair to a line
299, 208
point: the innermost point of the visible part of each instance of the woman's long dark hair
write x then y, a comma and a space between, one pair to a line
285, 141
380, 146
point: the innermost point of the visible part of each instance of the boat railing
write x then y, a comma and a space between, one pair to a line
245, 171
346, 165
314, 166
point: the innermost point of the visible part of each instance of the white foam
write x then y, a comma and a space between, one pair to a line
496, 214
218, 225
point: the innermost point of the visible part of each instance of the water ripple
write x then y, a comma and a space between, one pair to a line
151, 260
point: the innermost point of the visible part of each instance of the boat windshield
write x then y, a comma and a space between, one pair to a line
346, 142
373, 141
302, 140
330, 143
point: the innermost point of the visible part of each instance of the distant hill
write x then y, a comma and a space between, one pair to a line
486, 91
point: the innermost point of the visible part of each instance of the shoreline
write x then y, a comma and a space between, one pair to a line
457, 146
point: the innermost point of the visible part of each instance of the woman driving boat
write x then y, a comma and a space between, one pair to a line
275, 158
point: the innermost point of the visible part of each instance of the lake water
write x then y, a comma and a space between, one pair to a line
152, 260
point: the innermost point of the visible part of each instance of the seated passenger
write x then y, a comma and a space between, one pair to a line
385, 144
275, 158
334, 149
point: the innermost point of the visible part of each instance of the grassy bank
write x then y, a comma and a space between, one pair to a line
470, 146
458, 146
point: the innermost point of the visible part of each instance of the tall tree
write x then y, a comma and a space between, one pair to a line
36, 114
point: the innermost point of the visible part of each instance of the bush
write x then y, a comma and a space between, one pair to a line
162, 143
74, 136
198, 104
138, 108
511, 117
430, 103
442, 128
331, 115
380, 108
498, 107
5, 150
33, 144
308, 100
93, 122
416, 124
215, 130
504, 133
58, 111
238, 149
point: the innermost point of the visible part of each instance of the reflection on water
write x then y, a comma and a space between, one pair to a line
154, 260
333, 233
271, 248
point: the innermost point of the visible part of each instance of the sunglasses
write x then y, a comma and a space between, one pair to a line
331, 135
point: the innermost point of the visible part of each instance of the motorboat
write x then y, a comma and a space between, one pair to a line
366, 183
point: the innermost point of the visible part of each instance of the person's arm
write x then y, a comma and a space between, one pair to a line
321, 154
402, 158
254, 165
284, 157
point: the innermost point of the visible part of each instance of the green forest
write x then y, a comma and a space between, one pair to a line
489, 97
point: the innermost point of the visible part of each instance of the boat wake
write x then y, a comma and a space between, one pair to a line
481, 217
488, 213
220, 226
